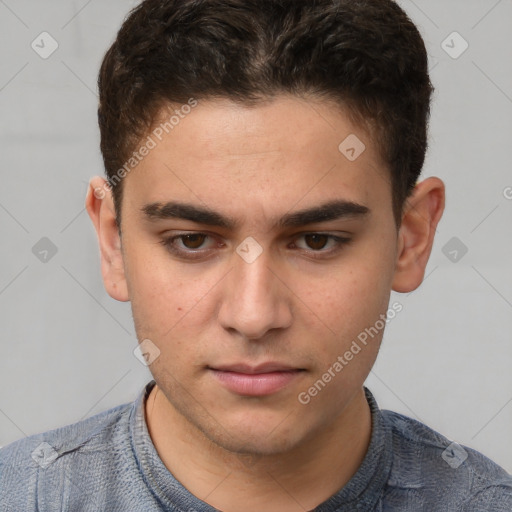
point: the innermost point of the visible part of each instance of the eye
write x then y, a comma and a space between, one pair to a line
316, 243
190, 243
193, 240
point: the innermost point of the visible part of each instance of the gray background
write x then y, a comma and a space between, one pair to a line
68, 347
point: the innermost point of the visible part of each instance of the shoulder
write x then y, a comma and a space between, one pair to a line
43, 461
441, 471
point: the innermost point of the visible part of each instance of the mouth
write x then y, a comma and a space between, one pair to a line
261, 380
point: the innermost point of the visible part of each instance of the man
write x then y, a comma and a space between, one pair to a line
262, 202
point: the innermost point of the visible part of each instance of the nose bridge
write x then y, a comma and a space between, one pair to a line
253, 281
254, 301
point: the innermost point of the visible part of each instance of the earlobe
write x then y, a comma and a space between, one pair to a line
422, 212
100, 207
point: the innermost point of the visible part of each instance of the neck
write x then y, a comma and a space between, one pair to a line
297, 480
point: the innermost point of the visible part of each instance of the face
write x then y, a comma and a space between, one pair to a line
251, 300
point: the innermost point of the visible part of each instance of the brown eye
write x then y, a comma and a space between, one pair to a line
321, 245
193, 241
316, 241
188, 246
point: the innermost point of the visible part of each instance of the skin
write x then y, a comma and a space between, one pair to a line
256, 164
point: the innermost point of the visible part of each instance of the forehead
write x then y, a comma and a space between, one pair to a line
270, 157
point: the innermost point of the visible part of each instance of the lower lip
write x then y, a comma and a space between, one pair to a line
258, 384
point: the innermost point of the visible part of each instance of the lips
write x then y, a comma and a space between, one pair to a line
260, 380
254, 370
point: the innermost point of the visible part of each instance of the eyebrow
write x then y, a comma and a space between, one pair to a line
331, 210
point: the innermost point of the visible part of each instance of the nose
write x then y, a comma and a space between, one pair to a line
254, 299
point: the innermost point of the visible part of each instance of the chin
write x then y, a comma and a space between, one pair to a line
257, 436
255, 446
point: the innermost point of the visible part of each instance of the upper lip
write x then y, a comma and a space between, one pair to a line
260, 368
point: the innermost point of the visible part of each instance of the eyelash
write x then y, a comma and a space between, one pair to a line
192, 254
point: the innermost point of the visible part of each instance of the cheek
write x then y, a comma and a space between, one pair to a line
158, 296
345, 300
163, 305
171, 303
343, 307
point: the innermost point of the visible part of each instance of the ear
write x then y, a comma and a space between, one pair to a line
422, 212
100, 207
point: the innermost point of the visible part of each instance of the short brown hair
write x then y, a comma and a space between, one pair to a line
366, 55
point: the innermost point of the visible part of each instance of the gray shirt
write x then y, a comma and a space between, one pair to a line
108, 463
